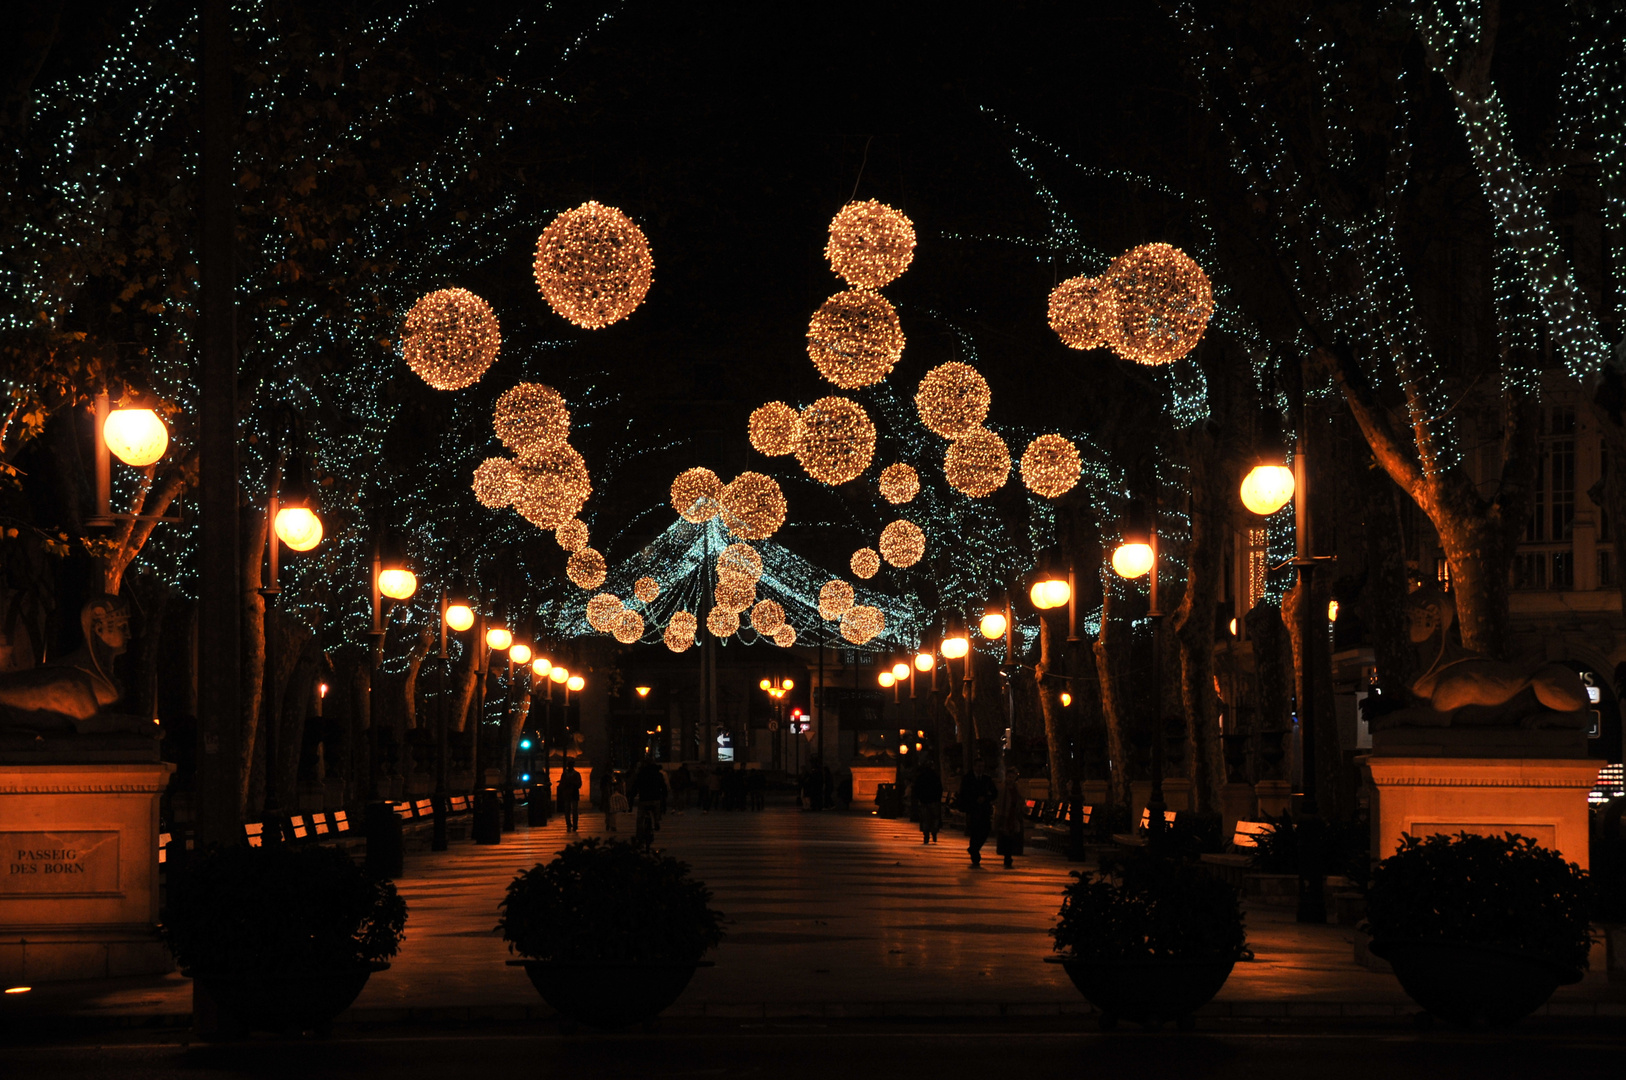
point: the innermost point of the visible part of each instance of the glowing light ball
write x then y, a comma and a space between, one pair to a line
559, 674
1051, 466
955, 647
899, 484
734, 595
397, 584
459, 617
838, 440
887, 680
785, 636
135, 436
722, 623
953, 400
865, 562
298, 527
767, 617
575, 682
519, 654
450, 338
646, 589
1164, 303
753, 506
629, 627
586, 568
739, 562
1084, 313
862, 624
532, 419
855, 338
1132, 560
1267, 488
992, 625
835, 599
593, 265
774, 429
695, 495
602, 611
495, 483
870, 244
902, 543
1050, 593
977, 464
541, 667
680, 630
572, 535
498, 639
551, 488
900, 671
925, 662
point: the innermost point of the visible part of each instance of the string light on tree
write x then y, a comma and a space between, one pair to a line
862, 623
495, 484
722, 623
870, 244
865, 562
646, 589
593, 265
899, 484
838, 440
551, 488
680, 629
696, 494
753, 506
835, 599
767, 616
1051, 466
977, 464
953, 399
586, 568
854, 339
1164, 303
572, 535
450, 338
532, 420
774, 429
1084, 313
902, 543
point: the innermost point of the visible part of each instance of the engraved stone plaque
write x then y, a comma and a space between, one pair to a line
59, 863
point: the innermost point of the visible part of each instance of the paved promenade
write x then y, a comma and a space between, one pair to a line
828, 914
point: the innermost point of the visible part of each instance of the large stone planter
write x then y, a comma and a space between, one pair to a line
609, 995
285, 1002
1147, 992
1473, 984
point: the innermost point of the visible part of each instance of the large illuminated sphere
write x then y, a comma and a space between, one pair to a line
1050, 593
902, 543
586, 568
459, 617
498, 639
1132, 560
753, 506
870, 244
135, 436
1051, 466
774, 429
925, 661
785, 636
955, 647
519, 654
1164, 303
734, 595
865, 562
1267, 488
739, 562
572, 535
1084, 313
767, 617
532, 419
695, 495
977, 464
835, 598
495, 483
551, 488
722, 622
450, 338
629, 627
646, 589
953, 399
299, 527
680, 630
397, 584
838, 440
899, 484
855, 338
575, 682
603, 610
862, 623
992, 625
593, 265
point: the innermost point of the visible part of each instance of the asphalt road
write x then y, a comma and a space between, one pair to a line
850, 1050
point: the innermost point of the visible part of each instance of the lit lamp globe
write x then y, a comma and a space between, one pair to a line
765, 685
787, 685
886, 680
643, 691
955, 647
1050, 593
459, 617
136, 436
498, 639
1066, 699
519, 654
1132, 560
575, 682
992, 625
925, 661
900, 671
397, 584
559, 674
1267, 488
542, 667
298, 527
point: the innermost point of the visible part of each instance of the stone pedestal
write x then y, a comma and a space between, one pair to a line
1095, 793
868, 778
1236, 804
1542, 798
79, 870
1275, 797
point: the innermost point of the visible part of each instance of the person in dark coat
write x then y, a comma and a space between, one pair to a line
570, 793
1010, 818
928, 796
977, 795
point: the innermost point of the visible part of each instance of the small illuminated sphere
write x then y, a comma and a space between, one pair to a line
887, 679
854, 339
629, 627
1084, 313
735, 594
835, 598
576, 682
559, 674
135, 436
862, 623
977, 463
1267, 488
586, 568
1332, 611
739, 562
602, 611
992, 625
646, 589
767, 616
532, 419
899, 483
1164, 303
593, 265
870, 244
695, 495
865, 562
774, 429
1066, 699
450, 338
498, 639
299, 527
953, 399
397, 584
788, 684
542, 667
902, 543
1051, 466
1132, 560
838, 440
495, 483
925, 661
551, 488
679, 634
903, 748
572, 535
753, 506
519, 653
459, 617
1050, 593
722, 622
900, 672
764, 684
955, 647
785, 636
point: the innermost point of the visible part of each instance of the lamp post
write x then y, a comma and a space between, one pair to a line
1048, 593
518, 655
956, 646
1137, 555
453, 617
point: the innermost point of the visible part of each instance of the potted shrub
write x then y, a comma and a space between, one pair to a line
1479, 929
609, 933
1155, 946
281, 938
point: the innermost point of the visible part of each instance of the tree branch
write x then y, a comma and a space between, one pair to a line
1374, 423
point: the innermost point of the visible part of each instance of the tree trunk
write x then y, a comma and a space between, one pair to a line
1335, 790
252, 666
1109, 663
1050, 705
1480, 562
1387, 586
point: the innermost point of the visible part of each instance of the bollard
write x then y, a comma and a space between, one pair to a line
386, 852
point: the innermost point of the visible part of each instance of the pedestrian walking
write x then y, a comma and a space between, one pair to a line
714, 789
1010, 817
614, 807
976, 802
570, 792
927, 791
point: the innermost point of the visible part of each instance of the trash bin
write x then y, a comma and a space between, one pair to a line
386, 853
487, 826
888, 800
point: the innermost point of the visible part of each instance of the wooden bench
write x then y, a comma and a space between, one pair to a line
1232, 864
1137, 838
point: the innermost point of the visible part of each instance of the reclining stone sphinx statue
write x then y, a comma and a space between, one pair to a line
74, 696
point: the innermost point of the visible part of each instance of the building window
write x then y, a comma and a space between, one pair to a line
1530, 570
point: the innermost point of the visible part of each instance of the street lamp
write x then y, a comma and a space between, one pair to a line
955, 648
134, 435
887, 680
992, 626
575, 682
1048, 593
542, 667
498, 639
459, 617
925, 662
1267, 488
519, 653
1137, 556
